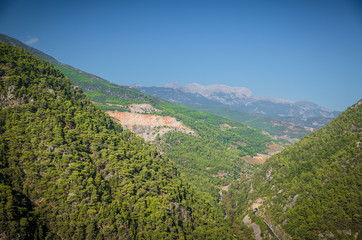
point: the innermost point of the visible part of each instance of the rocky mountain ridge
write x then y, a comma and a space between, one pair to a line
240, 98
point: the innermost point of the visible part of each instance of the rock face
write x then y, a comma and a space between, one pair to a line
143, 108
254, 226
8, 99
261, 158
148, 126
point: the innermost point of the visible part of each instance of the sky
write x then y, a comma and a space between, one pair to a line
294, 49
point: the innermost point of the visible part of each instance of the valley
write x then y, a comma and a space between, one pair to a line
161, 169
68, 171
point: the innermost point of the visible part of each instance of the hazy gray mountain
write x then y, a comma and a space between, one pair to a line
178, 96
242, 99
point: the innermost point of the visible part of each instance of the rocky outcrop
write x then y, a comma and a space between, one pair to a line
261, 158
8, 99
142, 108
256, 229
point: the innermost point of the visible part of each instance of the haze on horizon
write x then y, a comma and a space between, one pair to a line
296, 50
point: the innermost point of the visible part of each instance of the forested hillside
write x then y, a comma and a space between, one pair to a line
209, 159
88, 82
103, 91
67, 171
312, 190
214, 157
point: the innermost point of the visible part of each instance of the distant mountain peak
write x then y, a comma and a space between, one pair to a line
241, 98
135, 85
210, 90
174, 85
272, 99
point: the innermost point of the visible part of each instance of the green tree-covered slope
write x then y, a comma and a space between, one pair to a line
214, 156
101, 90
313, 188
31, 50
272, 126
67, 171
211, 158
90, 83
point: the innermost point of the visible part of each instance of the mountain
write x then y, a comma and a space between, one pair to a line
277, 128
101, 90
312, 189
31, 50
178, 96
209, 151
88, 82
67, 171
240, 98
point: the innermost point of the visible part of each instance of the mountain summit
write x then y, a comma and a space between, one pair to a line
213, 90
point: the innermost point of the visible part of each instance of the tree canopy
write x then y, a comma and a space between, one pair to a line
67, 171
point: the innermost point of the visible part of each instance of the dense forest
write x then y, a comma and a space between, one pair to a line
67, 171
214, 157
208, 160
313, 188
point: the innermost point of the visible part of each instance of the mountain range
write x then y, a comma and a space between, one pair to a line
198, 96
99, 89
240, 98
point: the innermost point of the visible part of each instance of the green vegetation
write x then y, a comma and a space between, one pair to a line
100, 90
314, 186
31, 50
208, 160
67, 171
212, 157
272, 126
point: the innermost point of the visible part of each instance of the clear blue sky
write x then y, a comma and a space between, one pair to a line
294, 49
